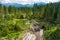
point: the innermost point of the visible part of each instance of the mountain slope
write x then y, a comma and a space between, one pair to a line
21, 5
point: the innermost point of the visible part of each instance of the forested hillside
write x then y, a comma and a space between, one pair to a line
49, 16
49, 12
13, 20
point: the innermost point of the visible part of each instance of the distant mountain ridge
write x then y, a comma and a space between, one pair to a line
12, 4
21, 5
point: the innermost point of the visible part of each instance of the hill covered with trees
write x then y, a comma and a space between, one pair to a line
13, 19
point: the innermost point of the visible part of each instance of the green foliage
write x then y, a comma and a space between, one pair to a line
49, 12
13, 20
15, 25
12, 35
52, 32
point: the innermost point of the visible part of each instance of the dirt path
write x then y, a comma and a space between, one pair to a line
37, 32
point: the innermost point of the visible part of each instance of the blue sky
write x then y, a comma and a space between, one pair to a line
27, 1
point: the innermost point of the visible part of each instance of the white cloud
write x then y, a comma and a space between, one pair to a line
27, 1
6, 1
47, 1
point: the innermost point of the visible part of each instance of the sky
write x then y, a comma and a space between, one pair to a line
27, 1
